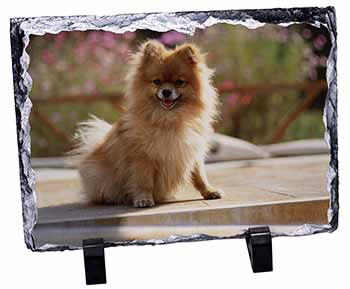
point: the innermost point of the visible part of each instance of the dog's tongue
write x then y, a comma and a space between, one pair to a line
167, 102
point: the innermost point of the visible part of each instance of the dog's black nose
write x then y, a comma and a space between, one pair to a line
166, 93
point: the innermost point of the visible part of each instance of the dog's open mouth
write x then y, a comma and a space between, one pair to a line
168, 103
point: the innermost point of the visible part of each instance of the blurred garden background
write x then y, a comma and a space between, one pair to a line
271, 80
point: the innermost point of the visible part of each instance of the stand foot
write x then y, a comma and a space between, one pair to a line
259, 243
94, 260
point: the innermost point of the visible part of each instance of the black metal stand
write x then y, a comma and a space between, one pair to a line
94, 260
259, 243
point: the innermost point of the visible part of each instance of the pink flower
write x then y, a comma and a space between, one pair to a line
47, 57
246, 99
80, 52
306, 33
89, 87
227, 85
93, 37
320, 41
172, 38
232, 99
59, 39
109, 39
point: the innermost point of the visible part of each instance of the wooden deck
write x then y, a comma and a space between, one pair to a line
282, 192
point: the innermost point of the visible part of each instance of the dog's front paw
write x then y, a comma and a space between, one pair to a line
143, 202
213, 194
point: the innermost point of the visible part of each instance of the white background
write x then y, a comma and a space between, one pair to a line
318, 261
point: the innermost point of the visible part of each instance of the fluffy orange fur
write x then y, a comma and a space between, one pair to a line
151, 150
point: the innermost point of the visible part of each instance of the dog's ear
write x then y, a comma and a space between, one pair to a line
189, 53
152, 50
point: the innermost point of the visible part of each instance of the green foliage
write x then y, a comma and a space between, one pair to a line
308, 125
268, 55
65, 117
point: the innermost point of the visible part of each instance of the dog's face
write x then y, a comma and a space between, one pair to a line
171, 77
168, 81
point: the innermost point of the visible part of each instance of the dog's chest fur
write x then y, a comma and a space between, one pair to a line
173, 152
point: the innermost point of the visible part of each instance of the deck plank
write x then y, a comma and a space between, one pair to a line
281, 192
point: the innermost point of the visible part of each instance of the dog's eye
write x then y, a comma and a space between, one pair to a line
179, 82
157, 81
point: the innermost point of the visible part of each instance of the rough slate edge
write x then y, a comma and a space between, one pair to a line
186, 22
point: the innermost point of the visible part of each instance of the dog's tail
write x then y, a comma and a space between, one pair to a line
88, 135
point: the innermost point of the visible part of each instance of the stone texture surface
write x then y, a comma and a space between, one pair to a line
186, 22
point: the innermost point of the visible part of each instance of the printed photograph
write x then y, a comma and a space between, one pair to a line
151, 135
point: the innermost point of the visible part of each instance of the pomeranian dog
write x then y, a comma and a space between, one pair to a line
161, 139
